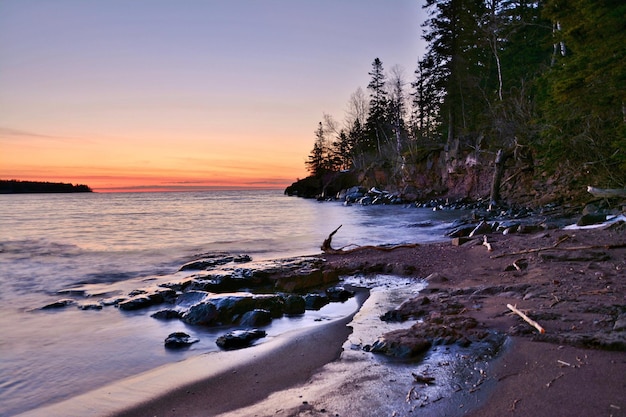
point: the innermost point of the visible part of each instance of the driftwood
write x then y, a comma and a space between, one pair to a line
327, 246
487, 244
526, 318
606, 192
614, 246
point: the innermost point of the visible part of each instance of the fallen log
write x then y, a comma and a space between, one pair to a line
606, 192
327, 246
526, 318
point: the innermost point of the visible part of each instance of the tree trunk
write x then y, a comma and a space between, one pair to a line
501, 158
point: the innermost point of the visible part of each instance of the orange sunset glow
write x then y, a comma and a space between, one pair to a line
166, 96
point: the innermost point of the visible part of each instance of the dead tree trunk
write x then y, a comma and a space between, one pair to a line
501, 158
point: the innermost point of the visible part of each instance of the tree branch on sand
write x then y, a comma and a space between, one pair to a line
327, 246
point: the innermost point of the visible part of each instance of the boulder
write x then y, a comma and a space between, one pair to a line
238, 339
256, 317
167, 314
338, 294
224, 310
294, 305
315, 301
204, 313
146, 298
179, 340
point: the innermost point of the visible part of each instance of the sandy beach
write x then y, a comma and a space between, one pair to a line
572, 282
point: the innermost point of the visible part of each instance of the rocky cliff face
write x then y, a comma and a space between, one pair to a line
457, 174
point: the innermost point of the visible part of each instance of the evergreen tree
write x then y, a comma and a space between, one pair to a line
585, 105
377, 126
318, 163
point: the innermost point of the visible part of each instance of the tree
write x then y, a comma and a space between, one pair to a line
584, 107
377, 126
317, 164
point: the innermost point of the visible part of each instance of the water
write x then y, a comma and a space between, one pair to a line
112, 243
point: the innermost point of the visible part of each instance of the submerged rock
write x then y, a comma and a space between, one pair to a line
238, 339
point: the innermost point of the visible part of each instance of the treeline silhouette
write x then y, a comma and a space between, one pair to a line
19, 187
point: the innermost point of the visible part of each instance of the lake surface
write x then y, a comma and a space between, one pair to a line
112, 243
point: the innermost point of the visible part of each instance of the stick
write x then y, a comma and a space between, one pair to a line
526, 319
558, 242
487, 244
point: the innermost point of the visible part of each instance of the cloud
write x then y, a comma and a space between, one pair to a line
10, 133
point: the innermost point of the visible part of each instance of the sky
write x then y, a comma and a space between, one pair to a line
148, 95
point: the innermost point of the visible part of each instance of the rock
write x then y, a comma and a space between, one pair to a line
436, 278
147, 298
482, 228
338, 294
458, 241
90, 306
406, 346
304, 278
59, 304
136, 303
238, 339
294, 305
620, 323
212, 261
315, 301
223, 310
204, 313
179, 340
461, 231
256, 317
190, 298
592, 218
167, 314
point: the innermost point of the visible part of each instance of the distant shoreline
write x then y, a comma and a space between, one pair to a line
33, 187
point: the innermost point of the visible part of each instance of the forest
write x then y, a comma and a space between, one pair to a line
533, 89
20, 187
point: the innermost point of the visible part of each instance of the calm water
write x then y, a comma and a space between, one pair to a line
113, 243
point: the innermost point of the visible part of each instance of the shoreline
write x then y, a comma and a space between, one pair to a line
576, 295
175, 389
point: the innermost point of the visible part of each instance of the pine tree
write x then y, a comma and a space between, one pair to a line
377, 125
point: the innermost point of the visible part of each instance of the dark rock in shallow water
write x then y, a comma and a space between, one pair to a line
179, 340
223, 310
168, 314
59, 304
294, 305
315, 301
238, 339
339, 294
201, 313
91, 306
213, 261
136, 303
147, 298
256, 317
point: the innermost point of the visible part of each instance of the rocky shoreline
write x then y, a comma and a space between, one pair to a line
572, 282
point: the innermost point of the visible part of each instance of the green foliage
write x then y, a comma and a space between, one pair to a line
546, 78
